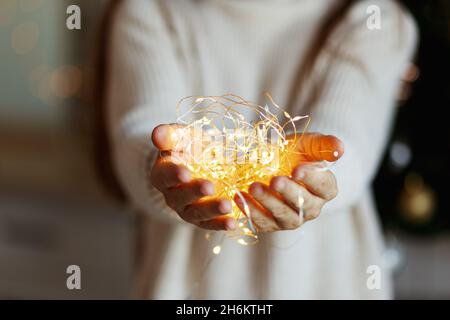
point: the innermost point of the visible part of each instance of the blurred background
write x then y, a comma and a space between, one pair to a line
54, 211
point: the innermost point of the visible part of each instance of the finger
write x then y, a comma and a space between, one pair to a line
178, 139
206, 210
298, 197
166, 174
320, 182
284, 215
318, 147
219, 223
164, 136
261, 218
186, 193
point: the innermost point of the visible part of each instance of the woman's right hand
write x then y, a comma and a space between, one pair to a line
183, 194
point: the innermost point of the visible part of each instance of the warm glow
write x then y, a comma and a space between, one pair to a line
219, 144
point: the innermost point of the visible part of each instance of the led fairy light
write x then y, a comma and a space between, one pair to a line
217, 142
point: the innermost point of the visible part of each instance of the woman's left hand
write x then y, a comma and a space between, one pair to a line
288, 202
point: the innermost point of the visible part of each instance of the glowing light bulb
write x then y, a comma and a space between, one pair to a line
216, 250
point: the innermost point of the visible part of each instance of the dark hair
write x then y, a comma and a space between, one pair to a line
97, 97
102, 144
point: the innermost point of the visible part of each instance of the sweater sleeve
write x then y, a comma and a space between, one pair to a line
357, 104
145, 83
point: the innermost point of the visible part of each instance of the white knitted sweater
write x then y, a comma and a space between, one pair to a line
165, 50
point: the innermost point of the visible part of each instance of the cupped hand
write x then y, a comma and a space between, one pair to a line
287, 202
192, 199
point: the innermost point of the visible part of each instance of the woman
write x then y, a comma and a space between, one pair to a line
315, 57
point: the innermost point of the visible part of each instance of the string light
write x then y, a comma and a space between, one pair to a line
217, 142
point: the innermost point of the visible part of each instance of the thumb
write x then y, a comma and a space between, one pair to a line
164, 136
318, 147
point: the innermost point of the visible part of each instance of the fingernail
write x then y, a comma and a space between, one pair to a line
278, 184
207, 189
184, 176
225, 206
230, 224
256, 189
299, 174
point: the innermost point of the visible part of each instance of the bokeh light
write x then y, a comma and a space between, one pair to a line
65, 81
417, 201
